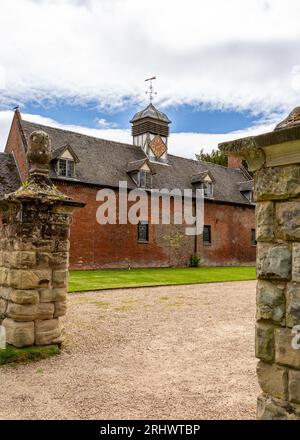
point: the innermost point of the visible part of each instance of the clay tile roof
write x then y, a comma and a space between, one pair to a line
105, 163
150, 112
291, 120
9, 176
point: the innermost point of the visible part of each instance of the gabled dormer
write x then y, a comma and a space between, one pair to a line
246, 189
150, 131
141, 173
204, 180
64, 161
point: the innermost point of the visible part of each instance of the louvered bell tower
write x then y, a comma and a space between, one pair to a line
150, 131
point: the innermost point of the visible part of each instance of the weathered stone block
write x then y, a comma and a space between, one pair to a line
60, 278
61, 246
285, 354
294, 386
277, 183
264, 221
60, 260
273, 261
45, 310
4, 277
27, 259
60, 294
60, 308
270, 301
55, 231
7, 258
296, 262
293, 304
47, 331
264, 342
20, 312
29, 279
3, 306
28, 244
271, 409
57, 260
19, 334
19, 259
24, 296
272, 379
47, 295
5, 292
43, 259
287, 220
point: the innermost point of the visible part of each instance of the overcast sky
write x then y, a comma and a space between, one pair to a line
224, 68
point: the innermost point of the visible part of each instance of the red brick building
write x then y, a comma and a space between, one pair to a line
81, 165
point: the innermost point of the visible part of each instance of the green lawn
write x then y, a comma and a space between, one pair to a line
109, 279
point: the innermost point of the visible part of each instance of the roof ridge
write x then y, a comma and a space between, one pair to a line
131, 146
80, 134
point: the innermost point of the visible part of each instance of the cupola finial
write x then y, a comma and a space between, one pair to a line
150, 92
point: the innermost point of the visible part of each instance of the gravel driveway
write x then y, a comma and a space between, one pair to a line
162, 352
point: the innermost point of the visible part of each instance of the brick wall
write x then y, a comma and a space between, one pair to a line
15, 146
111, 246
230, 234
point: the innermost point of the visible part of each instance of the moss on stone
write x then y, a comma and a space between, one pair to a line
27, 354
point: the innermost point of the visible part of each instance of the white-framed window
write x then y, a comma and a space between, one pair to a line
66, 167
208, 189
144, 179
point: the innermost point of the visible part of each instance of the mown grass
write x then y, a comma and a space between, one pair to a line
27, 354
81, 280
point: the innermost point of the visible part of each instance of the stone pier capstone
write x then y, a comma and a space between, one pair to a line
34, 253
274, 159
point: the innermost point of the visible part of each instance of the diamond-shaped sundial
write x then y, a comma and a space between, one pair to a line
158, 146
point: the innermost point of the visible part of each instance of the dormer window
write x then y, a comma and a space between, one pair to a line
208, 189
204, 180
66, 167
140, 172
144, 179
248, 195
246, 188
64, 160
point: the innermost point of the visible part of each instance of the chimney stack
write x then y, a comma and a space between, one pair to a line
234, 162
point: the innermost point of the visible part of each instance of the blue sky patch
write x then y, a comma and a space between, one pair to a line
185, 118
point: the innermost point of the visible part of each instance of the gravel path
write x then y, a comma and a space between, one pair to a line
164, 352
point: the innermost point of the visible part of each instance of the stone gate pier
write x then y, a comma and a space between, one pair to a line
34, 250
275, 160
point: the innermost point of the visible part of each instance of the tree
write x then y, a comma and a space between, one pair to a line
216, 156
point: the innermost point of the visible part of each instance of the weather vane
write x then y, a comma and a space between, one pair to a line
150, 92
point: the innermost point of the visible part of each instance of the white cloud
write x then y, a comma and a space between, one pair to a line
233, 54
103, 123
188, 144
181, 144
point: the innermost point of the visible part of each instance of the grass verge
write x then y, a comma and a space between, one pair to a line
82, 280
27, 354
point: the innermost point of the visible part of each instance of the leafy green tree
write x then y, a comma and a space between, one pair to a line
216, 156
